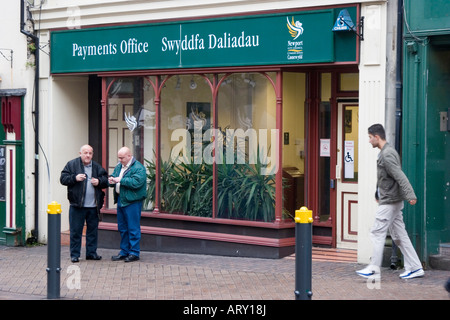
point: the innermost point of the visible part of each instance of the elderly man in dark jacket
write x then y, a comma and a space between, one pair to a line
393, 188
85, 180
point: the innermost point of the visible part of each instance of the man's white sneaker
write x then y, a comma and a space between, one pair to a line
371, 272
412, 274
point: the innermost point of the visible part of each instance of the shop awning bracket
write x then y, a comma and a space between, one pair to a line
360, 27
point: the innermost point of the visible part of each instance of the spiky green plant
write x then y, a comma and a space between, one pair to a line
242, 192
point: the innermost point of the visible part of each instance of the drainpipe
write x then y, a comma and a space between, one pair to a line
36, 120
398, 101
398, 76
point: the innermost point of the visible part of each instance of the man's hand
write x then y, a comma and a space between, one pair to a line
412, 202
80, 177
113, 180
94, 182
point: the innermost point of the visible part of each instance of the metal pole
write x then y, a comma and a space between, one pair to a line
394, 256
54, 250
303, 254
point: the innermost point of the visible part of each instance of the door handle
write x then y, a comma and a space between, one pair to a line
332, 183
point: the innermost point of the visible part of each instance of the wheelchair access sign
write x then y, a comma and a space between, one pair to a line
349, 162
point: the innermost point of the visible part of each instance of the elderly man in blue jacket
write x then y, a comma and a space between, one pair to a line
393, 188
129, 181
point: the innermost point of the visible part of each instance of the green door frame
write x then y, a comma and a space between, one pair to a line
425, 148
14, 235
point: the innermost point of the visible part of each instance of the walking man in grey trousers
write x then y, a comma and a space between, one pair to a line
393, 188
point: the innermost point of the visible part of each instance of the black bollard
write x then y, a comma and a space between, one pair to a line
303, 254
54, 251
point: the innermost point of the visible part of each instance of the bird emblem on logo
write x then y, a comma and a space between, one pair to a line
131, 122
295, 28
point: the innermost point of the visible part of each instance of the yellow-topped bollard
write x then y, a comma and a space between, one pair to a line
303, 253
54, 208
54, 250
303, 215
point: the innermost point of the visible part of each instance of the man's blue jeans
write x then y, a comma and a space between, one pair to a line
129, 226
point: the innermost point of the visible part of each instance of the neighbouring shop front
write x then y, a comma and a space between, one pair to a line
426, 127
12, 177
239, 121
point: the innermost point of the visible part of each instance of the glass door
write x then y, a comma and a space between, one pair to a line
324, 178
326, 151
321, 154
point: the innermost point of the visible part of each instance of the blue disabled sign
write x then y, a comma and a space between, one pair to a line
344, 22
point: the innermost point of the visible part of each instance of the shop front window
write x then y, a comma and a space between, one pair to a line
130, 121
246, 172
240, 152
186, 174
294, 146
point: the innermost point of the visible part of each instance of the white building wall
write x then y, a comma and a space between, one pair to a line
371, 110
64, 99
66, 131
72, 14
19, 75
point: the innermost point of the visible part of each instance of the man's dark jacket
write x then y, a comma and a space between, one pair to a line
76, 190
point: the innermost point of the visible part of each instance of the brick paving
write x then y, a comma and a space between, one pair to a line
169, 276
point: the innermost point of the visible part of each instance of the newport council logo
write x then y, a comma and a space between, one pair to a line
294, 46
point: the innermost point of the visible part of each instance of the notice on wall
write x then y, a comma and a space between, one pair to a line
349, 163
325, 146
2, 173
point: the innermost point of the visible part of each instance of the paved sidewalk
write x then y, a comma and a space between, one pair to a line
168, 276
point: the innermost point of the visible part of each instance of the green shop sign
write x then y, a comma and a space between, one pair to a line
278, 39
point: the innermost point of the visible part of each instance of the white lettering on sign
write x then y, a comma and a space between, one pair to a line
194, 42
228, 41
222, 41
133, 46
185, 43
130, 46
93, 50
